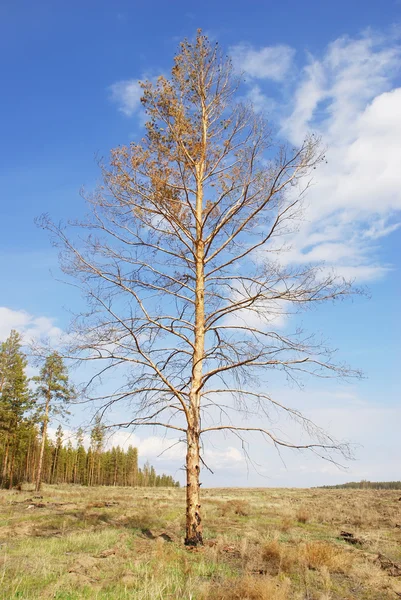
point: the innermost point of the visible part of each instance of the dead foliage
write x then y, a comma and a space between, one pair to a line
235, 507
249, 588
273, 558
302, 515
286, 524
318, 554
392, 568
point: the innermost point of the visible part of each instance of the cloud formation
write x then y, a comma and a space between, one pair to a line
127, 95
269, 62
30, 327
348, 97
340, 410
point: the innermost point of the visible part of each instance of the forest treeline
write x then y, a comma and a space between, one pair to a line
27, 454
368, 485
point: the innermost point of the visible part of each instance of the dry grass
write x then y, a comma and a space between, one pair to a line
251, 588
118, 543
316, 555
286, 524
302, 515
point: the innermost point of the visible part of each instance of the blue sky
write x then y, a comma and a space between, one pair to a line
69, 94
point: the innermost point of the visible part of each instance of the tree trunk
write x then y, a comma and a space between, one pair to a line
193, 517
98, 468
91, 469
54, 466
5, 463
75, 470
115, 474
28, 460
42, 448
193, 521
11, 473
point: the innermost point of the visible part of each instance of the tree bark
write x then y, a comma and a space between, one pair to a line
98, 467
5, 463
54, 466
193, 515
115, 474
11, 473
28, 460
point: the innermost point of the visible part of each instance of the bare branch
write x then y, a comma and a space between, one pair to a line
183, 264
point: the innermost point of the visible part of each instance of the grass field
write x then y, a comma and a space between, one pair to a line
260, 544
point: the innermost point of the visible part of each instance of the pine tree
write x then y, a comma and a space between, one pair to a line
97, 440
15, 401
80, 459
53, 394
59, 445
132, 466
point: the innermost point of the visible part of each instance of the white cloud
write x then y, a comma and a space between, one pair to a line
69, 435
260, 102
127, 95
263, 316
31, 328
348, 97
159, 448
269, 62
338, 86
162, 448
371, 426
153, 447
225, 458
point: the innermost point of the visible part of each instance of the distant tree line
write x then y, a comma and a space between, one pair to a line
26, 452
368, 485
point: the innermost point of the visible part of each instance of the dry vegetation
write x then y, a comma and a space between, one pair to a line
114, 543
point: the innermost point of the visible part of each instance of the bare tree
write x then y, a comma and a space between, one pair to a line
184, 268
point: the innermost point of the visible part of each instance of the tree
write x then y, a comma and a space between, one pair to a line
132, 466
184, 266
97, 441
80, 471
15, 401
53, 393
59, 445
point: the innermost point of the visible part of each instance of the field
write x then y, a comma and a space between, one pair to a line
262, 544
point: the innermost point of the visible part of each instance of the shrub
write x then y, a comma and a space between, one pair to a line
277, 557
302, 515
317, 555
286, 524
236, 507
